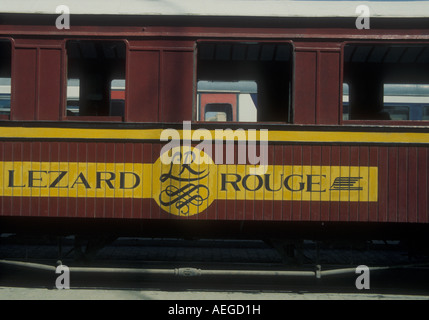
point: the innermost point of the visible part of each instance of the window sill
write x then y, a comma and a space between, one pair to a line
95, 118
387, 122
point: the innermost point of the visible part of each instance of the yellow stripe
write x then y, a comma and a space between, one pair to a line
374, 137
274, 135
61, 133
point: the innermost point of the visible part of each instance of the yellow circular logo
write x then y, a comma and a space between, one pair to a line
186, 181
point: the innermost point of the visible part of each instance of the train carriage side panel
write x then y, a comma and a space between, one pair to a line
317, 75
325, 172
143, 85
24, 72
305, 91
49, 82
177, 87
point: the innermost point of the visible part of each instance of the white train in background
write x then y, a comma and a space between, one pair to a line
400, 101
238, 101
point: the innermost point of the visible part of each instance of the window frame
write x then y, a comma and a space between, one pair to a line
63, 106
376, 122
196, 103
12, 55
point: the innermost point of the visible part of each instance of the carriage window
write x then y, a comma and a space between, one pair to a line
397, 112
5, 78
253, 78
385, 82
96, 79
426, 113
218, 112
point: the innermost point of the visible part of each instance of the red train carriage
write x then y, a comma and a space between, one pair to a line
84, 112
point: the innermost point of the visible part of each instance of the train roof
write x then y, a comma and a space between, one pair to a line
415, 90
222, 8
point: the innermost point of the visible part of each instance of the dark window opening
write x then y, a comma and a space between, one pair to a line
96, 72
5, 78
259, 75
385, 82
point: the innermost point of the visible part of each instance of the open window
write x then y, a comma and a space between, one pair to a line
5, 78
244, 81
95, 80
385, 82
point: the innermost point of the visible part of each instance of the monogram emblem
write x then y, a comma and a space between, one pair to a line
185, 182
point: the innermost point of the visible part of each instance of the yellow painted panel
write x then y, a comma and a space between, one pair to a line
188, 188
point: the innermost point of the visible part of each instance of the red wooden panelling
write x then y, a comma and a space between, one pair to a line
403, 187
305, 88
142, 86
24, 84
384, 185
177, 83
49, 84
328, 87
411, 193
423, 186
392, 181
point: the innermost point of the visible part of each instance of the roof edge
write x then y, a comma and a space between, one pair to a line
223, 8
